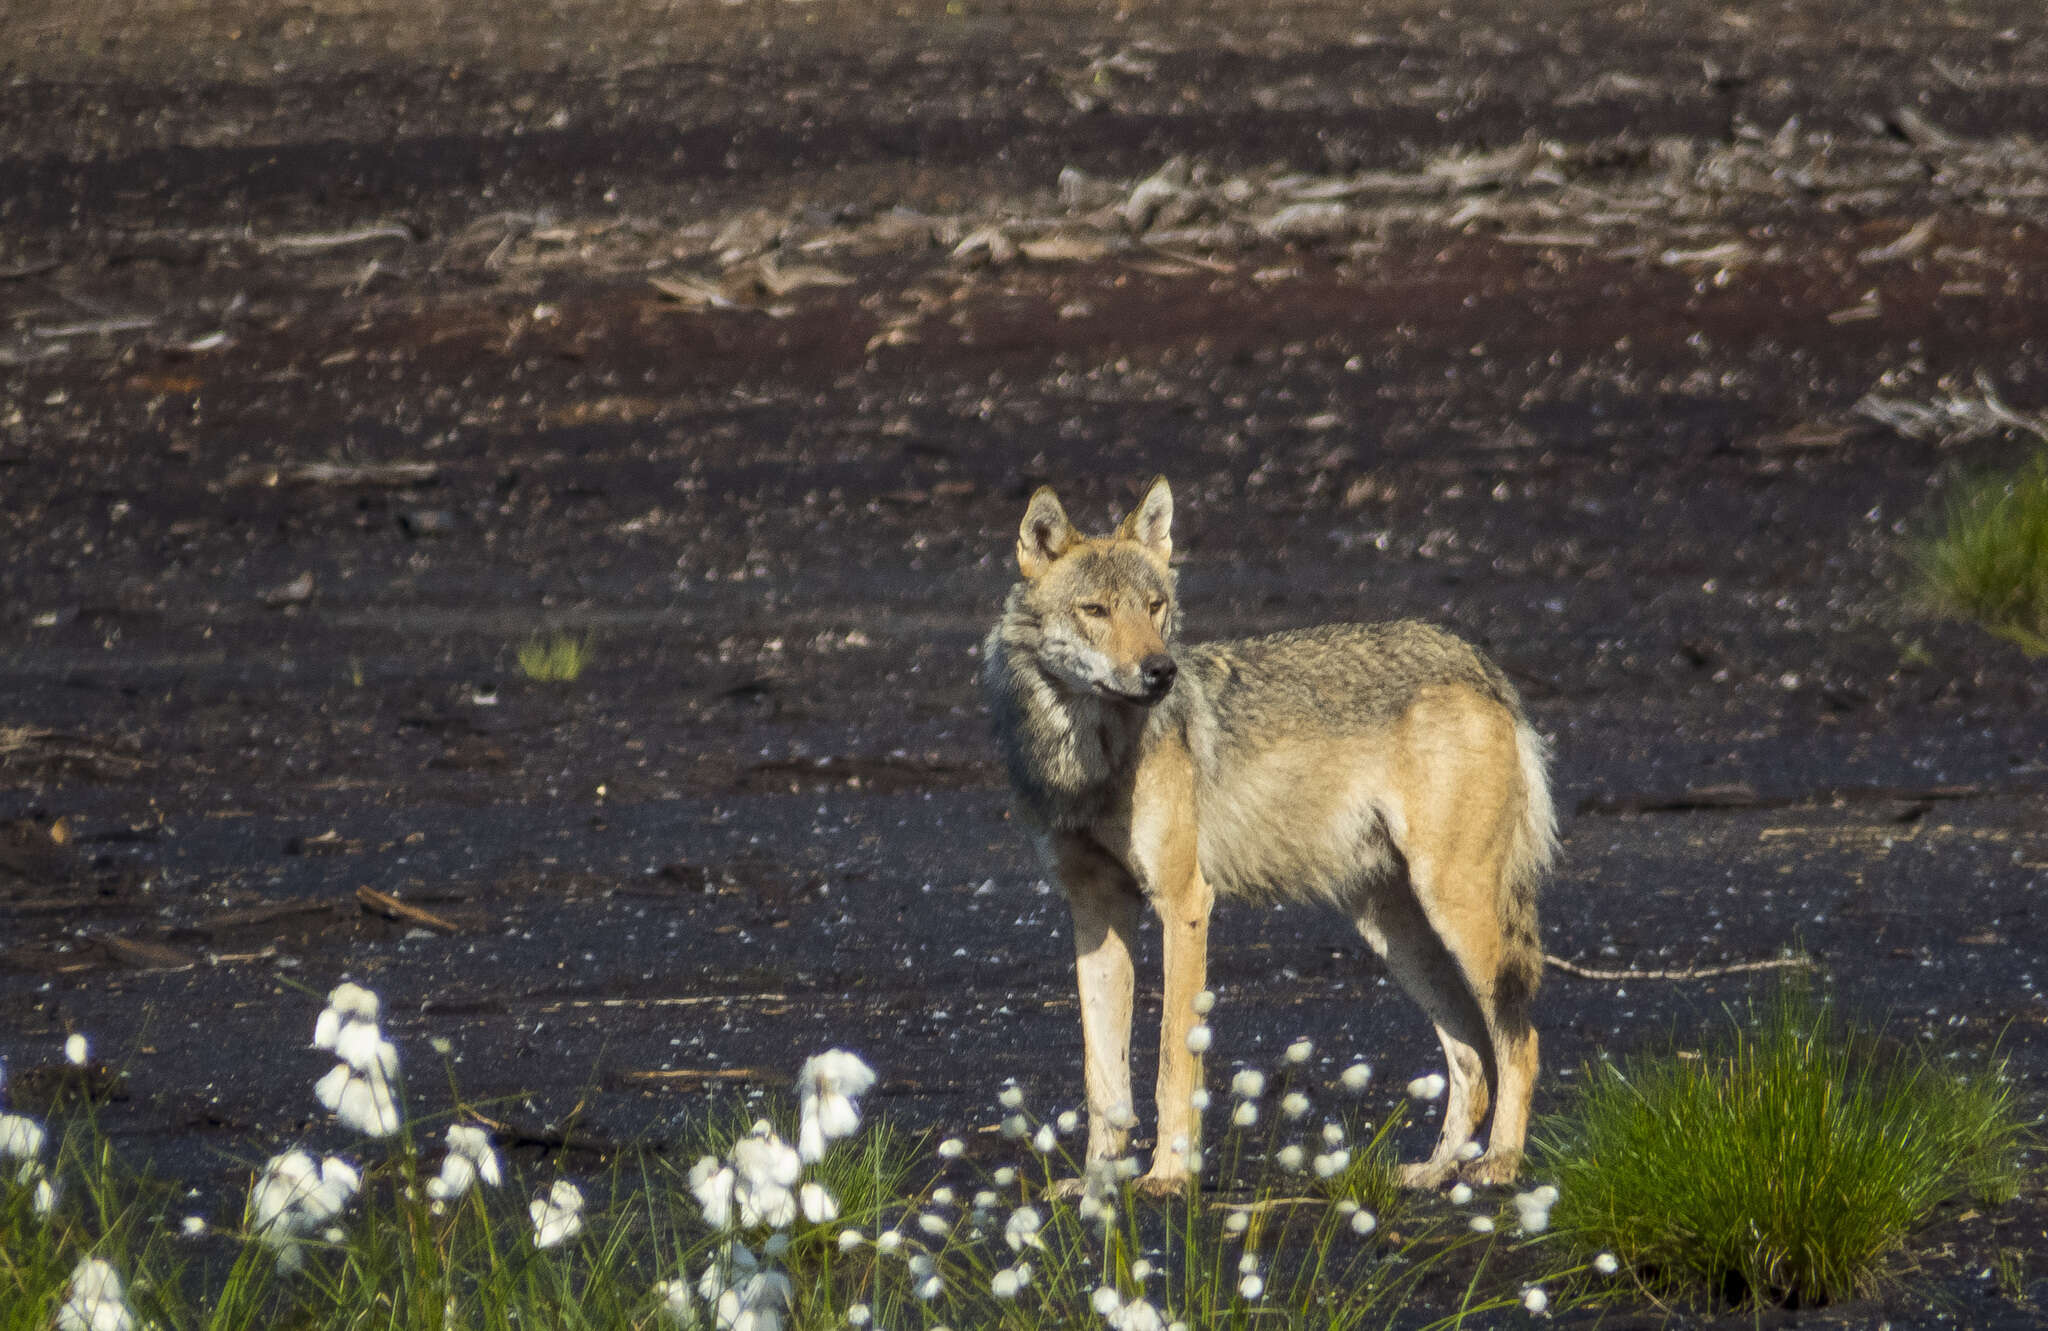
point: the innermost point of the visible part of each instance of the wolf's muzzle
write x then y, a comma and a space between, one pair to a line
1157, 671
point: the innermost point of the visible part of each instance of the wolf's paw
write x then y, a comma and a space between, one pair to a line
1430, 1173
1497, 1168
1065, 1190
1159, 1184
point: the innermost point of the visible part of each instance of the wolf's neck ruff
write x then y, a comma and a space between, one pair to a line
1065, 749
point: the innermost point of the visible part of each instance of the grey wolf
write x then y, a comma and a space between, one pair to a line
1387, 769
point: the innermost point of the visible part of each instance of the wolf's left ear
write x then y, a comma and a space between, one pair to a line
1150, 524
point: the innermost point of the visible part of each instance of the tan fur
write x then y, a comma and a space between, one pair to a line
1386, 769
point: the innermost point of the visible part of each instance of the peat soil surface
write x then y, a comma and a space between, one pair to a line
342, 357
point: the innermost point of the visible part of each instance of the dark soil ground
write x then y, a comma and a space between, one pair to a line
1636, 343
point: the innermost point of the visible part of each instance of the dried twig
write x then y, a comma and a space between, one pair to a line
313, 242
1682, 973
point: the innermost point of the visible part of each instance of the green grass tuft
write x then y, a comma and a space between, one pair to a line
560, 658
1990, 562
1786, 1166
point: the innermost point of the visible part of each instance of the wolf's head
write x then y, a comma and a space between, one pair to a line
1103, 605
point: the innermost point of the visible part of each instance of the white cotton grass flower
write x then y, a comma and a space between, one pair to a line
921, 1265
1021, 1230
1471, 1151
1198, 1099
934, 1226
1331, 1163
1105, 1300
952, 1148
942, 1197
294, 1197
1044, 1140
358, 1089
1534, 1299
1005, 1284
1248, 1264
1461, 1193
44, 1200
768, 1169
1011, 1096
192, 1226
712, 1184
557, 1217
678, 1307
1205, 1002
1248, 1084
1532, 1208
1237, 1222
76, 1051
1004, 1177
1300, 1051
987, 1199
347, 1003
757, 1301
1607, 1264
1363, 1223
1141, 1270
1430, 1087
1137, 1315
1481, 1224
849, 1239
1016, 1126
21, 1138
1245, 1115
1067, 1121
1250, 1288
1290, 1158
889, 1240
1200, 1037
828, 1084
1294, 1104
471, 1159
93, 1301
820, 1207
1357, 1077
859, 1314
930, 1288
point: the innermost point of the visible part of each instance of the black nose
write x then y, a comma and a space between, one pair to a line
1158, 671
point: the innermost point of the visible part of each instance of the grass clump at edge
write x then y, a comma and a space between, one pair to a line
1786, 1165
560, 658
1990, 561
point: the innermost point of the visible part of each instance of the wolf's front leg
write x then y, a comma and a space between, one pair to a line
1105, 905
1184, 932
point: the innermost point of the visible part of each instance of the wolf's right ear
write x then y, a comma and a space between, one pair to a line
1045, 535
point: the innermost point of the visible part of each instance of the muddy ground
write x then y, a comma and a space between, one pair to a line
343, 354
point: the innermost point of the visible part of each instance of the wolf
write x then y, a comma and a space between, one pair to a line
1386, 768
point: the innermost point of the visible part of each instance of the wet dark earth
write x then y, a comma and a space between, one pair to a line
341, 357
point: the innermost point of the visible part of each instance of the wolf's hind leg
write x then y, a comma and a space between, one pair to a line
1393, 923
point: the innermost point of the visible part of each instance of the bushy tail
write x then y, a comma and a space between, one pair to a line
1529, 856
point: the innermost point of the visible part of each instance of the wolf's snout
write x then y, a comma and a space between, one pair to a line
1157, 670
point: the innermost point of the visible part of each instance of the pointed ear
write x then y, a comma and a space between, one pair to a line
1045, 535
1150, 524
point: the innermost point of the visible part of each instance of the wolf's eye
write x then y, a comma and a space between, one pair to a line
1094, 609
1158, 604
